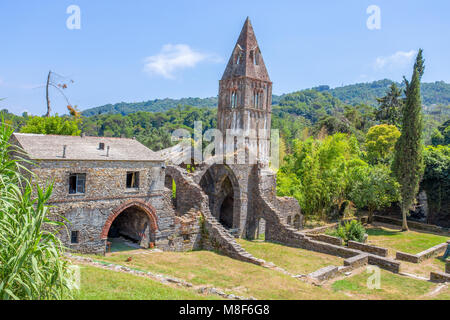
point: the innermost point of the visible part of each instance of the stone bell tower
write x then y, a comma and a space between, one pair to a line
245, 98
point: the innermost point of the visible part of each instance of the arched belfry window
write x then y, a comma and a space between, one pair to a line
255, 99
233, 99
257, 56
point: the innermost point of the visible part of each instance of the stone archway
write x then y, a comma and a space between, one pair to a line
219, 183
134, 220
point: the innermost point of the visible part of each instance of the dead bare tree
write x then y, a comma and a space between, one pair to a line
59, 83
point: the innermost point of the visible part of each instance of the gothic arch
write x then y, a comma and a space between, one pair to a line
145, 207
219, 182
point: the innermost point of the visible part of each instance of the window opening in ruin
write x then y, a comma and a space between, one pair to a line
132, 180
261, 231
74, 237
297, 222
233, 101
101, 146
77, 183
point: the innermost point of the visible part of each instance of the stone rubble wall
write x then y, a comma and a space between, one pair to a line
214, 236
411, 224
422, 256
439, 277
382, 252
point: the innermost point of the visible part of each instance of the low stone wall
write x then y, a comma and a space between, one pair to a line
326, 238
439, 277
411, 224
384, 263
424, 255
382, 252
357, 261
324, 273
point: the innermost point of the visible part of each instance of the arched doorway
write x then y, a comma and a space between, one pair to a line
227, 206
222, 188
130, 226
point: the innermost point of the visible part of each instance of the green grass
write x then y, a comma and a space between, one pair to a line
296, 261
410, 242
392, 287
101, 284
230, 275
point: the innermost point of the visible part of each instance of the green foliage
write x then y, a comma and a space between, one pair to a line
436, 178
390, 108
373, 188
317, 173
380, 143
52, 125
441, 135
31, 262
351, 230
408, 159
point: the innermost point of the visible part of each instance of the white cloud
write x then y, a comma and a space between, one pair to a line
400, 59
174, 57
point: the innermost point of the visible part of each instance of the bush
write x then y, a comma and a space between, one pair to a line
352, 230
32, 266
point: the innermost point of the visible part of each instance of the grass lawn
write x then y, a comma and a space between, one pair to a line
392, 287
233, 276
296, 261
410, 242
424, 268
101, 284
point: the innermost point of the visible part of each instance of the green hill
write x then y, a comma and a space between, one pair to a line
360, 93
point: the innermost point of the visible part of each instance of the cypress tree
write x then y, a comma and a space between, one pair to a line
408, 158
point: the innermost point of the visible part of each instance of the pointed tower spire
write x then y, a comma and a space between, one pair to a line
246, 59
245, 97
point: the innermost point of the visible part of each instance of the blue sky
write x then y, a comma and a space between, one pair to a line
139, 50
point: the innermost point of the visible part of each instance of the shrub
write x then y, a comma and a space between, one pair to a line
352, 230
32, 266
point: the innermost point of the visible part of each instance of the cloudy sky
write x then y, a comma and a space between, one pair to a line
140, 50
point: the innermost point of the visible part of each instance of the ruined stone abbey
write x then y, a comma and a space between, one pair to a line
111, 187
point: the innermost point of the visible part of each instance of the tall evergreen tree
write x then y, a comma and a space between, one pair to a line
390, 109
408, 158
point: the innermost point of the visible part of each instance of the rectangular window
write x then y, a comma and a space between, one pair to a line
74, 237
77, 183
132, 180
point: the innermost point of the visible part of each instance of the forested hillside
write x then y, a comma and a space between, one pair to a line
360, 93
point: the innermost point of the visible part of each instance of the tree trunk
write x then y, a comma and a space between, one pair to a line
405, 221
48, 98
370, 217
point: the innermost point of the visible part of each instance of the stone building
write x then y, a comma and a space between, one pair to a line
106, 187
110, 187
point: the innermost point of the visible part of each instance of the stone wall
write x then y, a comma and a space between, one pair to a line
382, 252
424, 255
105, 192
411, 224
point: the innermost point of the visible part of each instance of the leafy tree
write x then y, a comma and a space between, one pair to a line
52, 125
436, 183
408, 159
380, 142
373, 188
390, 107
316, 174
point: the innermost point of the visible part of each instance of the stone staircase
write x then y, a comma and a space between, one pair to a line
217, 238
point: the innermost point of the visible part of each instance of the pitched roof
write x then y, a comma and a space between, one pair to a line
50, 147
246, 46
